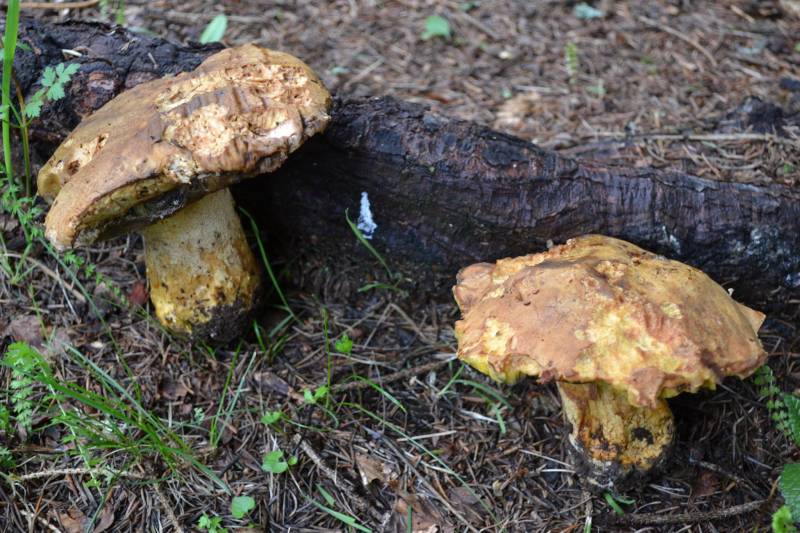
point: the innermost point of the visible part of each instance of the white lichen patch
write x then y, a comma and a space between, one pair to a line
366, 224
670, 239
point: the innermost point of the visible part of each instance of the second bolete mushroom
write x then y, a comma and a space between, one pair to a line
160, 156
619, 329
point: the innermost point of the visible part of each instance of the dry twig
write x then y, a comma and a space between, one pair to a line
660, 519
680, 35
167, 508
59, 5
340, 482
77, 472
35, 517
50, 272
395, 376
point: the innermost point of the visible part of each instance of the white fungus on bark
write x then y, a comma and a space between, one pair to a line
366, 224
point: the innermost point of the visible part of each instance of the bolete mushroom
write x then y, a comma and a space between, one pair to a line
619, 329
160, 156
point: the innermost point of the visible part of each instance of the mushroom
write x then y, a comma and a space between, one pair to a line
160, 156
619, 329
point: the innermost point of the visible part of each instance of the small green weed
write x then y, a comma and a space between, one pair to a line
274, 463
571, 62
241, 506
584, 11
100, 418
313, 397
215, 30
323, 393
782, 521
53, 82
271, 417
344, 344
23, 362
394, 277
789, 484
211, 524
7, 461
784, 409
436, 26
614, 501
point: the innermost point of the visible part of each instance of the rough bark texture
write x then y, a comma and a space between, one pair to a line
445, 193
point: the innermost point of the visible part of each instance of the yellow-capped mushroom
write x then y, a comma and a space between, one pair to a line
159, 157
619, 329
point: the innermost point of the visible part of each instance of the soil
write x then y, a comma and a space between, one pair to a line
407, 430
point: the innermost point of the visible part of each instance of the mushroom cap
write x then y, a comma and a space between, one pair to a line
165, 143
598, 309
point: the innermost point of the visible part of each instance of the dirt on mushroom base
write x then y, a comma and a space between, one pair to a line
652, 81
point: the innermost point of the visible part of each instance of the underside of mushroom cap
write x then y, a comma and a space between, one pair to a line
163, 144
599, 309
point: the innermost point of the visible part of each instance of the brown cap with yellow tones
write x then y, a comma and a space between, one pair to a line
599, 309
619, 329
163, 144
160, 156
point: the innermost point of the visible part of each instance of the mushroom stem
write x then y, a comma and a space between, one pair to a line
613, 441
204, 279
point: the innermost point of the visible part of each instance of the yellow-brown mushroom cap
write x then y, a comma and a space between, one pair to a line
598, 309
162, 144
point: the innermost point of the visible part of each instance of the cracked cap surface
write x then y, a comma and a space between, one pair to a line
162, 144
598, 309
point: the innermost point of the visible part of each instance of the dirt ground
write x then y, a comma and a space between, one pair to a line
434, 437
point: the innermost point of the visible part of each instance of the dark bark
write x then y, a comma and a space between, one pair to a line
111, 60
445, 193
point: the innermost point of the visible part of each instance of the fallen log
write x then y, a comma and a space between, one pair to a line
445, 193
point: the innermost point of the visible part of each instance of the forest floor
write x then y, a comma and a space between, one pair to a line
405, 430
